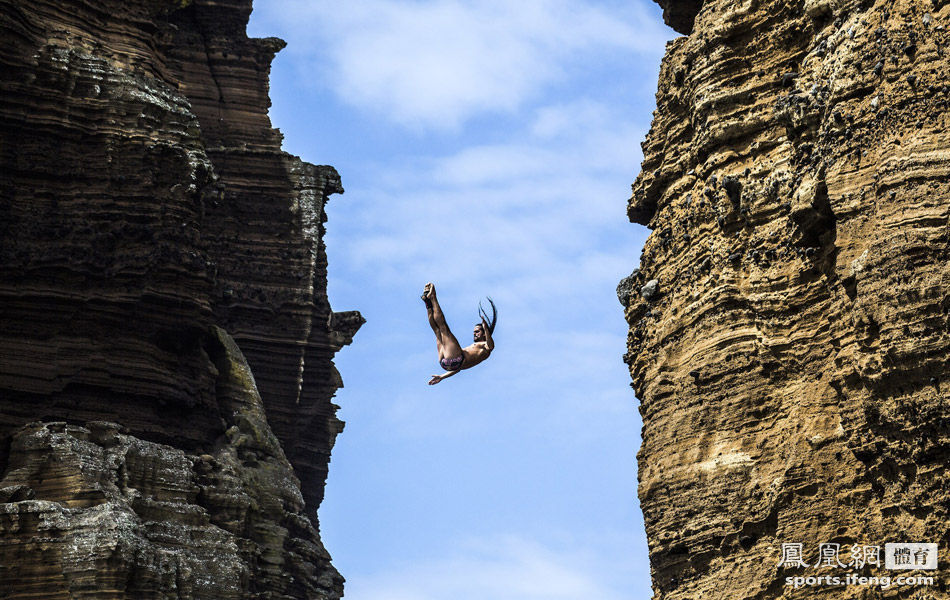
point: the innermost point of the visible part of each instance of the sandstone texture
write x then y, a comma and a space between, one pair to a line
166, 341
789, 317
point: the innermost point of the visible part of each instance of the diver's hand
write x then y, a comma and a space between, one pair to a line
435, 379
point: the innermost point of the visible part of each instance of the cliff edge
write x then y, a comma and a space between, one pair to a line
789, 321
166, 341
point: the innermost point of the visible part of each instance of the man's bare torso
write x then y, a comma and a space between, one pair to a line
475, 354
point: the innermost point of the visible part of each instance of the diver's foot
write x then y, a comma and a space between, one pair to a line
427, 294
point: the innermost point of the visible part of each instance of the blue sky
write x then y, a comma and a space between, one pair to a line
489, 147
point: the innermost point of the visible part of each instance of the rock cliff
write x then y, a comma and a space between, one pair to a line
165, 336
789, 318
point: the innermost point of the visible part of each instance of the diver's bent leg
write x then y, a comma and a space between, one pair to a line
449, 346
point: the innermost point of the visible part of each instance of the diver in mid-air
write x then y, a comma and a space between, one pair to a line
452, 356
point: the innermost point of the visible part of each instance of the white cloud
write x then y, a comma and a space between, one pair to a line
569, 119
572, 157
533, 213
436, 63
504, 568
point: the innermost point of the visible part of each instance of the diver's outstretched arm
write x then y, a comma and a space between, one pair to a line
437, 378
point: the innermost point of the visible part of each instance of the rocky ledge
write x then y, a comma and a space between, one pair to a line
789, 317
166, 341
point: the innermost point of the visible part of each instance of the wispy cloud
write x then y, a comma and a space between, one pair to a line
531, 211
503, 568
436, 63
563, 142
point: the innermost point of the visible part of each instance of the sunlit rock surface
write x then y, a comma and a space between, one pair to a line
165, 337
792, 357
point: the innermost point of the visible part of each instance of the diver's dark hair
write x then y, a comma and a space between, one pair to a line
494, 315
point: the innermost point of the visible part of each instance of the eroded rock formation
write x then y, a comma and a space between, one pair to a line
165, 337
792, 355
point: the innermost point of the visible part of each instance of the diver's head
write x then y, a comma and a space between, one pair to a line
479, 333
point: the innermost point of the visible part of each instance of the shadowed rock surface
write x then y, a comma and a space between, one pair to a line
792, 359
166, 342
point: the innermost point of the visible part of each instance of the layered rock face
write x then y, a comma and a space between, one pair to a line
165, 337
789, 319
